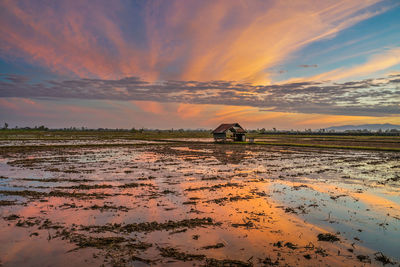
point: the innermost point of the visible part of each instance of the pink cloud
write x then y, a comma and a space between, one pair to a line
157, 115
189, 40
150, 106
67, 42
7, 104
189, 111
19, 103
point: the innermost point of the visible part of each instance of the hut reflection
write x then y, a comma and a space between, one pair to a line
229, 156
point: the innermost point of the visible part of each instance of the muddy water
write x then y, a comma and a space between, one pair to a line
203, 204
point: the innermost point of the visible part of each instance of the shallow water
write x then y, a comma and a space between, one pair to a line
260, 204
54, 142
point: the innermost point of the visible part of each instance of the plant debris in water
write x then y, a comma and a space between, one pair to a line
328, 237
176, 254
129, 205
150, 226
218, 245
382, 258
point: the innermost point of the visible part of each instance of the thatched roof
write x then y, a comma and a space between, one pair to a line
233, 127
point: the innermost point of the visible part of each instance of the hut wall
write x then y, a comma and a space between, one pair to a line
240, 137
219, 136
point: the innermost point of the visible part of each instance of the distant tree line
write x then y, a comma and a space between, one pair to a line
37, 128
86, 129
391, 132
366, 132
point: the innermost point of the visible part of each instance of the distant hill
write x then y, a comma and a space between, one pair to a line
370, 127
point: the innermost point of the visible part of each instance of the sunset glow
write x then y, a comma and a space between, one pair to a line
195, 64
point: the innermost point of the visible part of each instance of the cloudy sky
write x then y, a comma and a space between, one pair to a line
195, 64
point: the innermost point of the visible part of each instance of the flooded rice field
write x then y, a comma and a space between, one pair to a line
185, 204
69, 142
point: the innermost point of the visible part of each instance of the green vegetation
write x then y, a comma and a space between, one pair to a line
38, 134
331, 146
58, 139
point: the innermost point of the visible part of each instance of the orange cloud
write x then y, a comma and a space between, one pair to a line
263, 35
378, 62
252, 117
150, 106
375, 63
329, 120
67, 42
187, 111
166, 115
189, 40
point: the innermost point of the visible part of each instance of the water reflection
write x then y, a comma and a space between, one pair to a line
226, 154
229, 156
263, 203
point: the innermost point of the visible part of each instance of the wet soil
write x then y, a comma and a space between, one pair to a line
180, 204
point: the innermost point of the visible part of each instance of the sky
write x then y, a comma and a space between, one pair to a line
196, 64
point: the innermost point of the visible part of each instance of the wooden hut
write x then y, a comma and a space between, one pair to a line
229, 131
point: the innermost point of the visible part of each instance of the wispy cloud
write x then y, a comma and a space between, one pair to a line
150, 106
127, 114
62, 37
180, 39
377, 62
376, 97
308, 66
